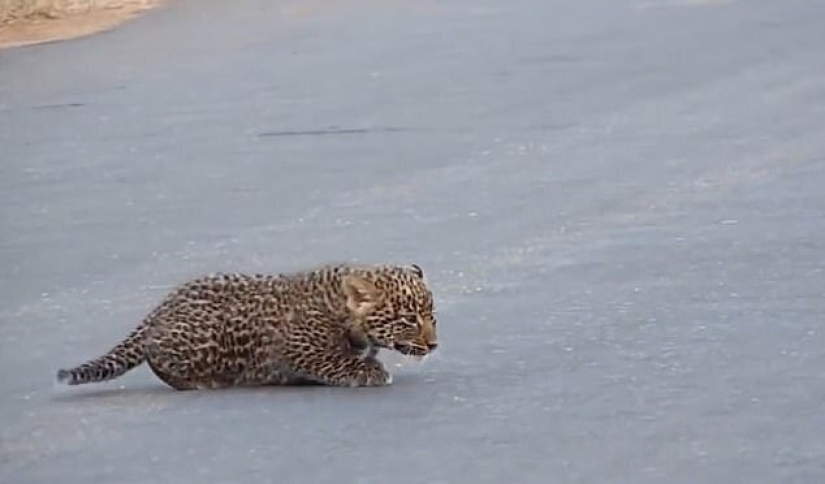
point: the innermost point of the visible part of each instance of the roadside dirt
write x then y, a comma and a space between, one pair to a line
54, 25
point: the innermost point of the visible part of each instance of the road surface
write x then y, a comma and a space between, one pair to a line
619, 204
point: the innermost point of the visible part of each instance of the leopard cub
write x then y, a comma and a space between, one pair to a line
321, 326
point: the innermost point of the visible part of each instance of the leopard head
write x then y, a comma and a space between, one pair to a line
393, 308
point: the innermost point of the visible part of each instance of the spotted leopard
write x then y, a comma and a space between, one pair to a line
319, 326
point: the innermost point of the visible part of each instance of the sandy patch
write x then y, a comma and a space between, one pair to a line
34, 22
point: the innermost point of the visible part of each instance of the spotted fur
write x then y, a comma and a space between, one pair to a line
320, 326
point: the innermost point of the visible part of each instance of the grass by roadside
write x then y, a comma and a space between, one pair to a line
24, 22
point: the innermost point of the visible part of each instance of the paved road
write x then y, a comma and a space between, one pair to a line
619, 203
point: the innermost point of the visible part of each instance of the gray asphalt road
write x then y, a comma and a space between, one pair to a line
619, 204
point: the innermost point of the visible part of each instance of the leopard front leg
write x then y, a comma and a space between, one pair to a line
319, 351
342, 369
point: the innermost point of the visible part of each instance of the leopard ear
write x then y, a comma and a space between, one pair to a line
416, 269
362, 295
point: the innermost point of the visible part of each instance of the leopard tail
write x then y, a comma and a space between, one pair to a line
128, 354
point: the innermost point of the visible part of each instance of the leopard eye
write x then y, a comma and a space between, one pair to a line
411, 319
